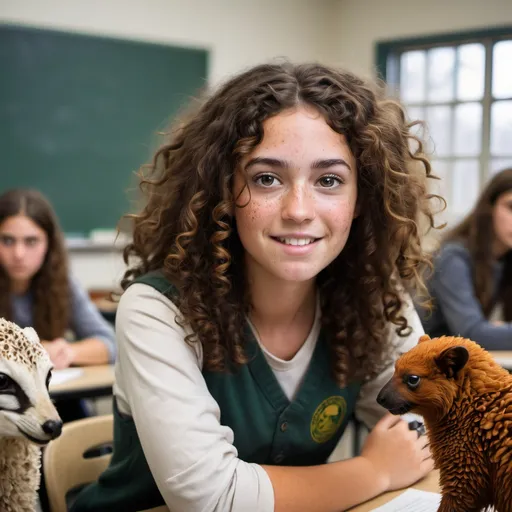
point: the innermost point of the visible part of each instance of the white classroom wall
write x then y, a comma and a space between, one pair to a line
362, 23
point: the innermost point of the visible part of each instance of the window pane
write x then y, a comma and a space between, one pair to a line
441, 63
412, 76
499, 164
501, 70
465, 186
438, 119
441, 187
471, 71
468, 129
501, 128
416, 114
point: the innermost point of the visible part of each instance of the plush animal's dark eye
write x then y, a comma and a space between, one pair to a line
5, 382
412, 381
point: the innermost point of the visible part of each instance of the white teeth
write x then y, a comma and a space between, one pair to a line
296, 241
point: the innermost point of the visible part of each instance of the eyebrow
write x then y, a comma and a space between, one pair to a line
24, 238
283, 164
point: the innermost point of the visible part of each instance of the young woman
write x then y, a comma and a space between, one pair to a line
267, 302
36, 289
471, 285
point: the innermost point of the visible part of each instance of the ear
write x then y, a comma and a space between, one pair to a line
452, 360
31, 334
423, 338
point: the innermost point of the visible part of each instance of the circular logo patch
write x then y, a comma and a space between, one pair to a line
327, 418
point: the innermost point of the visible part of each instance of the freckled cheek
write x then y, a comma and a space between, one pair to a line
254, 216
340, 217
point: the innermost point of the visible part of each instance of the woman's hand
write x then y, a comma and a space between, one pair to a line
396, 453
60, 352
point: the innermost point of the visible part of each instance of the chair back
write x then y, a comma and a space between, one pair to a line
64, 464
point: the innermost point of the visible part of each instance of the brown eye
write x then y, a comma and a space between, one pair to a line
329, 181
266, 180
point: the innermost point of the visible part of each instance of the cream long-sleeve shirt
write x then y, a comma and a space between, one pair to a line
159, 383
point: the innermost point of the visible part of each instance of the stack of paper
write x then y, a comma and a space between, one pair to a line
412, 500
61, 376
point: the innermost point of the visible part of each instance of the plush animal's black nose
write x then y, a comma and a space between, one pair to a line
52, 428
381, 399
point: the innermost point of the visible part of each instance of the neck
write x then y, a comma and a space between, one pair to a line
19, 287
282, 313
487, 377
282, 305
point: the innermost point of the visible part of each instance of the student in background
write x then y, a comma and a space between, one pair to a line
471, 285
37, 290
267, 303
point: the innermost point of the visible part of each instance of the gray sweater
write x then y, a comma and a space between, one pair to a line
457, 311
85, 319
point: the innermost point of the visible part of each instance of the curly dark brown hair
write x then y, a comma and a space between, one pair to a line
50, 285
187, 225
476, 232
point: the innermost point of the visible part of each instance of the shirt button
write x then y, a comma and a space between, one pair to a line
279, 458
284, 426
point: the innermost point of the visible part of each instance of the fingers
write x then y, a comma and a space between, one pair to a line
427, 466
426, 453
388, 421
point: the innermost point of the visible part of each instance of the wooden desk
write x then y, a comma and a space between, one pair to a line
504, 357
95, 381
429, 483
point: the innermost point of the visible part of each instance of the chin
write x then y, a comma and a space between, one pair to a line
296, 275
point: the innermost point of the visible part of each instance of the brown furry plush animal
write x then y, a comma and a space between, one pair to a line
465, 398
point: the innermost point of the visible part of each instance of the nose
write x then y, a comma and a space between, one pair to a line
19, 251
53, 428
381, 399
384, 394
298, 204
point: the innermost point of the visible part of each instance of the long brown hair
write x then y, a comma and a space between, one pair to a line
187, 229
476, 232
50, 285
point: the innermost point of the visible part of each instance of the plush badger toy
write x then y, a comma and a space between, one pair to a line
28, 418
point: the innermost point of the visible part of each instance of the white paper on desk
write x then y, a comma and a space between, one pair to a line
506, 362
61, 376
412, 500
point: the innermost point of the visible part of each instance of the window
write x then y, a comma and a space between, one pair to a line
461, 85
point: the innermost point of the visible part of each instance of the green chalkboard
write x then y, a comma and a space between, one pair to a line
79, 114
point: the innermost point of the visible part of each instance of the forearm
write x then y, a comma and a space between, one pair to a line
89, 351
325, 488
490, 336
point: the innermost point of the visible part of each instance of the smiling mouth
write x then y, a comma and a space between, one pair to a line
35, 440
295, 241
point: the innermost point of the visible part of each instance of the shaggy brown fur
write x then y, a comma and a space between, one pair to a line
465, 398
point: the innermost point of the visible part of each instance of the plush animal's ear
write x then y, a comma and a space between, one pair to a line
423, 338
31, 334
452, 360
